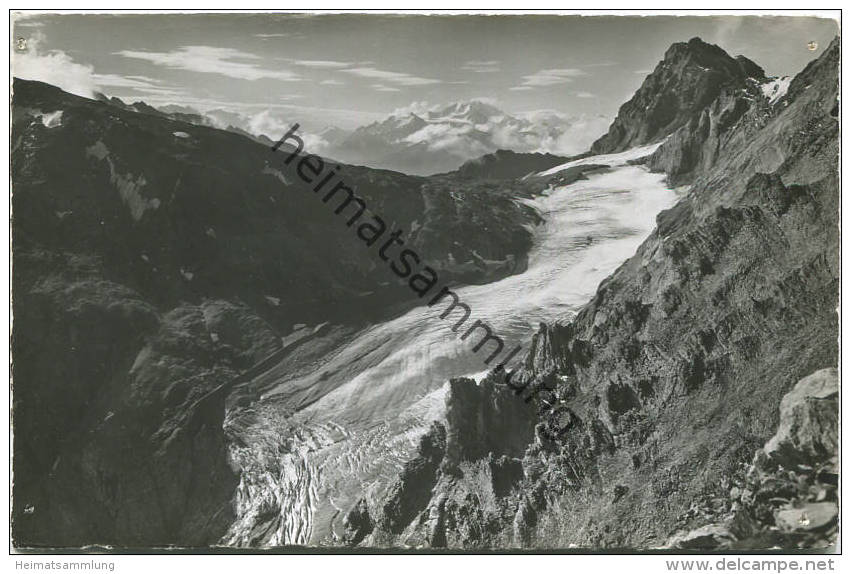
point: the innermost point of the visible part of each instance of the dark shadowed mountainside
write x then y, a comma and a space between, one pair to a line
154, 261
507, 164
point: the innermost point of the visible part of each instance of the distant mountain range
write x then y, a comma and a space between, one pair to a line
424, 141
442, 138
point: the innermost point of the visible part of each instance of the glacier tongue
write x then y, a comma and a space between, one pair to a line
360, 412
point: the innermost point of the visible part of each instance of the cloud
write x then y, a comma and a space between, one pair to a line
138, 86
58, 68
533, 131
552, 77
54, 67
642, 72
603, 64
420, 108
423, 107
29, 24
489, 100
481, 66
321, 63
555, 132
277, 35
584, 95
728, 28
383, 88
577, 136
455, 139
265, 123
520, 88
212, 60
387, 76
27, 19
332, 82
116, 81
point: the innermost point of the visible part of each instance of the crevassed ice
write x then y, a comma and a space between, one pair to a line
384, 386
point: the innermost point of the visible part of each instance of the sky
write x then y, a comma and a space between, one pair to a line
349, 70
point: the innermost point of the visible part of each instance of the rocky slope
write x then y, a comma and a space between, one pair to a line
648, 406
507, 164
154, 261
788, 497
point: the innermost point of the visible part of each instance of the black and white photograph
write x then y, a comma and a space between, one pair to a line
425, 283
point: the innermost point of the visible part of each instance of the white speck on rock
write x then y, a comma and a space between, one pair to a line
128, 186
277, 173
52, 120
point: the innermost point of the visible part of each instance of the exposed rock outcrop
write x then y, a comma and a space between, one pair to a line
808, 431
788, 496
483, 419
358, 524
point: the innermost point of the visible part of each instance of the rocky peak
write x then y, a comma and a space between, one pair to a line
699, 53
394, 127
736, 116
690, 76
475, 111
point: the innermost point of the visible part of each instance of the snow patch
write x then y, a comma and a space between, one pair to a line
776, 88
52, 120
275, 172
128, 186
